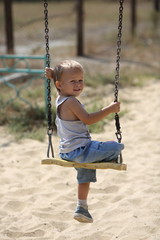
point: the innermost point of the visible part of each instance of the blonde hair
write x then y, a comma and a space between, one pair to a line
65, 65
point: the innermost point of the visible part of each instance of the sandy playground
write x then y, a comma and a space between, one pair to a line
37, 201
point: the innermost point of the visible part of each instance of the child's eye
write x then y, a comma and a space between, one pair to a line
73, 81
76, 82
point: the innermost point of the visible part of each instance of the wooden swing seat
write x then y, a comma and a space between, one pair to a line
97, 165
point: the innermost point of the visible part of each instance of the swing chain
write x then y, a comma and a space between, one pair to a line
49, 106
119, 36
117, 75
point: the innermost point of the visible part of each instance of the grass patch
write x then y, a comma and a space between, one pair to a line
97, 80
27, 123
30, 122
139, 55
128, 78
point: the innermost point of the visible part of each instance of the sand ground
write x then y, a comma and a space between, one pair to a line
37, 201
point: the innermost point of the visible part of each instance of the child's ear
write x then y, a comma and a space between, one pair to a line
58, 84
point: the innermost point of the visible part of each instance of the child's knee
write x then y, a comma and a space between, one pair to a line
119, 147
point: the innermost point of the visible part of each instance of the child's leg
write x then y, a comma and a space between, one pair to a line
102, 151
81, 214
84, 177
83, 190
95, 151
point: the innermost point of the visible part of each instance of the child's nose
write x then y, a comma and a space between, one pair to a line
76, 83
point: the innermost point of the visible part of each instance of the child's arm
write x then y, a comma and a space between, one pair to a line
49, 73
89, 118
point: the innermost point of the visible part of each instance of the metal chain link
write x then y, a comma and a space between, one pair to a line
49, 106
117, 75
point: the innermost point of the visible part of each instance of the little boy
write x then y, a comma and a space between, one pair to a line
75, 140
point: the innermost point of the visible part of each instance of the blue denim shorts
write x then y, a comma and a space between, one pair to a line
94, 151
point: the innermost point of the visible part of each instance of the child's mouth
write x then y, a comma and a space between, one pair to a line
77, 90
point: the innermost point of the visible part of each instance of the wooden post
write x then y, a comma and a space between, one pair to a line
155, 18
80, 31
133, 17
9, 26
156, 5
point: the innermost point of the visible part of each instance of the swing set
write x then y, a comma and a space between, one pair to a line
118, 165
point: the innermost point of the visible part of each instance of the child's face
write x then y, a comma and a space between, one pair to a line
71, 83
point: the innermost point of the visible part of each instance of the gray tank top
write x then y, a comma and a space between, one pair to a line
73, 134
